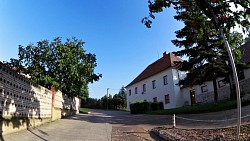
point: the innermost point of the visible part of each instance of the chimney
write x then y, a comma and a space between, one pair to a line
165, 53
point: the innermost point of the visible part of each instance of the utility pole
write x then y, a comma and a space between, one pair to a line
107, 98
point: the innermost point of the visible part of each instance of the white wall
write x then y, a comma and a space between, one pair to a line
247, 73
185, 92
178, 75
160, 91
178, 97
205, 97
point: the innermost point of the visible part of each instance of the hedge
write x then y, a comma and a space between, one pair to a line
142, 107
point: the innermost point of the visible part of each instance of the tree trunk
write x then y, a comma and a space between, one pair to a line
215, 90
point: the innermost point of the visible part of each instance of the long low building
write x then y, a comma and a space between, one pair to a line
159, 83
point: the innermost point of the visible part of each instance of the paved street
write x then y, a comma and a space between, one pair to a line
117, 126
96, 126
75, 128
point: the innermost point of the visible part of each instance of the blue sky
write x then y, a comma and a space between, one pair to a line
112, 30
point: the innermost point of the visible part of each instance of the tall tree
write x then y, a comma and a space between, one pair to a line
122, 97
119, 100
66, 65
200, 39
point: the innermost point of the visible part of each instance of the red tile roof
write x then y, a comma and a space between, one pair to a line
158, 66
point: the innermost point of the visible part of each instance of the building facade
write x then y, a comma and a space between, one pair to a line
159, 83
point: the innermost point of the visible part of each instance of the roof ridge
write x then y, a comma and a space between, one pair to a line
165, 62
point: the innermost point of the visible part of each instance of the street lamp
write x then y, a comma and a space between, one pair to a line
236, 81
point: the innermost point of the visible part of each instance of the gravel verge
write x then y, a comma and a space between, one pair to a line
222, 134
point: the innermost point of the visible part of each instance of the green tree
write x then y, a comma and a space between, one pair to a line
90, 103
119, 100
65, 65
200, 39
115, 102
122, 98
107, 102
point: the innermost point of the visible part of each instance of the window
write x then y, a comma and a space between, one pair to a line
135, 90
144, 88
204, 89
165, 80
167, 100
129, 92
155, 99
221, 83
153, 84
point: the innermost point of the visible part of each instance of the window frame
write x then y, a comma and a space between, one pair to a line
155, 99
153, 84
221, 83
144, 88
167, 98
136, 90
165, 79
204, 88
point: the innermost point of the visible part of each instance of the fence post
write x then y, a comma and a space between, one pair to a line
173, 119
53, 90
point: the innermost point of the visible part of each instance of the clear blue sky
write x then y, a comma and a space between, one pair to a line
112, 30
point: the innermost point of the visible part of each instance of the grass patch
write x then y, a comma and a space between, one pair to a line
84, 110
202, 108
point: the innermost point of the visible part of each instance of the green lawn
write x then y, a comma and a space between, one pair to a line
84, 110
202, 108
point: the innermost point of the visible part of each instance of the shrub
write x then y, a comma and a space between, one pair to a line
156, 106
139, 107
142, 107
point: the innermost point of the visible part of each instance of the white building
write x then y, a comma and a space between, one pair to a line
205, 93
159, 82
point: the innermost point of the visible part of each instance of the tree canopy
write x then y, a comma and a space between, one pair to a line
65, 65
117, 102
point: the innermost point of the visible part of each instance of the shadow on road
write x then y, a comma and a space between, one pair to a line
36, 135
123, 118
202, 121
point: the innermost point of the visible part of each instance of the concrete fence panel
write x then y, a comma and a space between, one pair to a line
24, 104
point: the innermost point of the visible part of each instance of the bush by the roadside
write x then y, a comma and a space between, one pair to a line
156, 106
139, 107
142, 107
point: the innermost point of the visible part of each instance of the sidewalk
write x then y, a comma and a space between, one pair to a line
75, 128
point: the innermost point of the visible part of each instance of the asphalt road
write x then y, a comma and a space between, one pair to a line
103, 125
